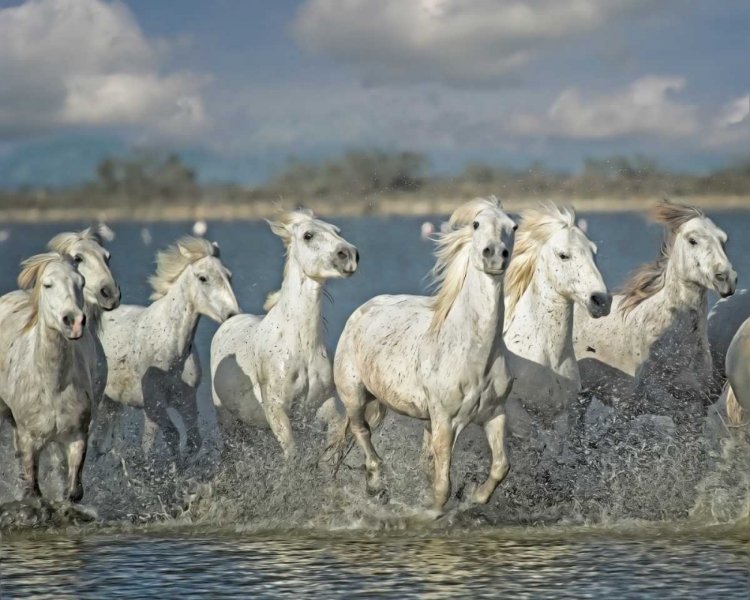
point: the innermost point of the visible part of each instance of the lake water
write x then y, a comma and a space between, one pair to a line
489, 562
501, 564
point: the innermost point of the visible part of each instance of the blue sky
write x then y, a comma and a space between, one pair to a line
237, 87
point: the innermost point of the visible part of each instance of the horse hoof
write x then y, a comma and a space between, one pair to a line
76, 494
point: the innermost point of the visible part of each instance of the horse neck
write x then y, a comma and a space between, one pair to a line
477, 310
177, 311
53, 353
300, 306
548, 315
680, 294
93, 314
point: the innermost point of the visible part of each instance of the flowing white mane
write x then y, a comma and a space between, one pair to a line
170, 263
30, 278
452, 253
64, 242
536, 227
649, 279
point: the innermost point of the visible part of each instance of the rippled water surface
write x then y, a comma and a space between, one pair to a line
485, 566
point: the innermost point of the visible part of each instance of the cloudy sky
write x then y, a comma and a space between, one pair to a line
238, 87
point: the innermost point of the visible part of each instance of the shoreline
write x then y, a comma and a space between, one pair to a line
405, 205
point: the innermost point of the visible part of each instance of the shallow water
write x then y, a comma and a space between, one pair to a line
473, 565
567, 563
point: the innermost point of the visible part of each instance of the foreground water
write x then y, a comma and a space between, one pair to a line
650, 469
477, 564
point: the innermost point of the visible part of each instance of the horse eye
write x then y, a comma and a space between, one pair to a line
693, 242
564, 256
202, 278
476, 224
308, 236
78, 259
48, 285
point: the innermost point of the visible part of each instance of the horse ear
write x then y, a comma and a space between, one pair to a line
184, 251
216, 249
280, 229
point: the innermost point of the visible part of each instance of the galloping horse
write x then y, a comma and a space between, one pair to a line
149, 351
440, 359
657, 332
263, 365
552, 270
46, 383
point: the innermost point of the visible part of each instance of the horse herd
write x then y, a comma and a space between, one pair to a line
520, 318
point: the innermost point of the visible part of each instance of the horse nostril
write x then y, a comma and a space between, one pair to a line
66, 321
356, 256
721, 277
83, 320
506, 253
343, 255
487, 252
106, 294
597, 299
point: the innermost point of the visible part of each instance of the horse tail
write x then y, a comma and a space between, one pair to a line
734, 410
339, 446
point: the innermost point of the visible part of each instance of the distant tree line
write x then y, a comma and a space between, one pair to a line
363, 175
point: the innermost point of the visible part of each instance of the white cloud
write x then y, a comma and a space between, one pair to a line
85, 63
454, 41
643, 108
732, 126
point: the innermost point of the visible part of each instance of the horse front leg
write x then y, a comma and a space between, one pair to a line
274, 403
442, 445
76, 454
185, 401
30, 462
495, 431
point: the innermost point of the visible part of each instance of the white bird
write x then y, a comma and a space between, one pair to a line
4, 235
200, 228
146, 236
427, 230
106, 232
583, 225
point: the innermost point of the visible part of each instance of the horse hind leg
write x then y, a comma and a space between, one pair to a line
495, 431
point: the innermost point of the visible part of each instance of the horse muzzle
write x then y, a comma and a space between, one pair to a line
725, 283
74, 325
108, 297
346, 260
599, 304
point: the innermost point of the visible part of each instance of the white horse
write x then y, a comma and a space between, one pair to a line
262, 366
45, 374
553, 269
87, 250
657, 332
149, 351
440, 359
724, 320
737, 392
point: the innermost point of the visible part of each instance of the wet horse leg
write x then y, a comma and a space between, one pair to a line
274, 402
30, 462
76, 454
495, 430
157, 417
442, 445
425, 456
185, 401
